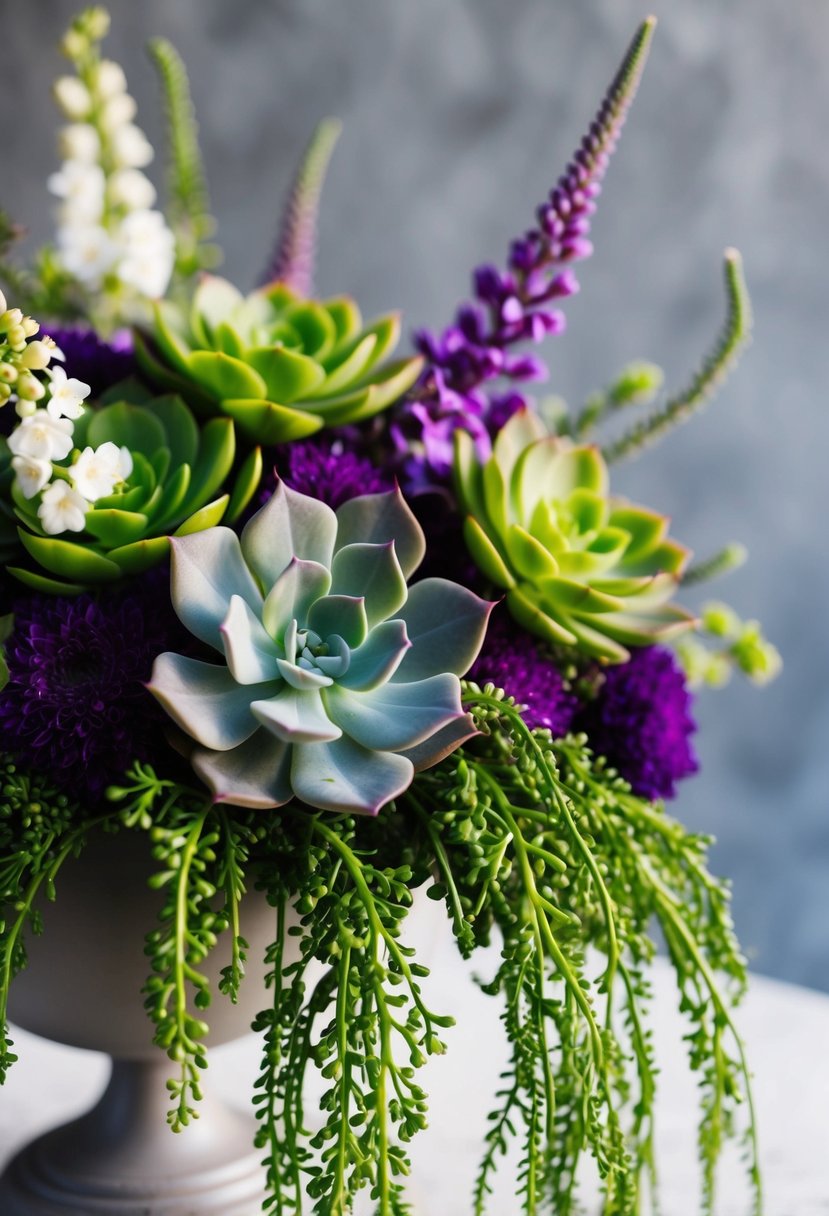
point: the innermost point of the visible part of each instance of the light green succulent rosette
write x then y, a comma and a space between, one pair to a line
182, 479
580, 569
335, 681
282, 367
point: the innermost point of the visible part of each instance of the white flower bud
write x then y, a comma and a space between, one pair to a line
72, 96
80, 141
130, 147
36, 356
117, 111
29, 387
3, 304
109, 78
81, 185
132, 189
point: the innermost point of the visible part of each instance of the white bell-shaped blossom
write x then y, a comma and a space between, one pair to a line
32, 474
86, 251
132, 189
117, 111
73, 97
147, 252
97, 471
80, 141
42, 437
67, 395
109, 78
130, 147
81, 186
62, 509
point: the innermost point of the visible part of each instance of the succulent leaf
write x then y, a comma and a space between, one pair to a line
336, 679
280, 366
579, 568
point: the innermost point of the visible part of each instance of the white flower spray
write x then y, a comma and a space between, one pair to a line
109, 238
47, 465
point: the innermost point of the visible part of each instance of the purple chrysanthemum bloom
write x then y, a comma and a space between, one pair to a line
326, 469
513, 306
96, 362
75, 706
514, 660
641, 721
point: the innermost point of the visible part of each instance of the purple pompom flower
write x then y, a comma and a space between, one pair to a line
96, 362
641, 721
75, 706
517, 662
328, 470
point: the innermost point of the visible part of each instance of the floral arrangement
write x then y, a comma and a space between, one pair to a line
236, 618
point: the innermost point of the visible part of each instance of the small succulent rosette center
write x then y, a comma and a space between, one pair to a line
580, 569
336, 681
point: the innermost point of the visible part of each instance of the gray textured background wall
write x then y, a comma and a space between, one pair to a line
459, 115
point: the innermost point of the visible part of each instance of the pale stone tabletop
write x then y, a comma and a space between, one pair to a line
786, 1028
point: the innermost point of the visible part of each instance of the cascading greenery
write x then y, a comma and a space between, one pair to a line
529, 842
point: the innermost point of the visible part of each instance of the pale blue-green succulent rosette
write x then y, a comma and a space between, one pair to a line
334, 680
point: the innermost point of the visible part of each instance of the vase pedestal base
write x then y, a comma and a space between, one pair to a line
122, 1159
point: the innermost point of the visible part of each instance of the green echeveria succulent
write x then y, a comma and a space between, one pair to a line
579, 568
280, 366
335, 682
177, 486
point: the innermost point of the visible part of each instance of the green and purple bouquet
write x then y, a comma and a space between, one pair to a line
341, 625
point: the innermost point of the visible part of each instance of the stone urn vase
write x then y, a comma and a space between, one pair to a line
82, 987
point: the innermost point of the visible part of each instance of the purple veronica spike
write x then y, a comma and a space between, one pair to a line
515, 305
293, 260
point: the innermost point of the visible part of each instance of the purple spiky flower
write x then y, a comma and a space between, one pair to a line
513, 306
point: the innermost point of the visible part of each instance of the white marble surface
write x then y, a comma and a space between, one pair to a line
787, 1030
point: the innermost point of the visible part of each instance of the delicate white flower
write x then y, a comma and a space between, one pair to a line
86, 251
32, 475
117, 111
62, 509
72, 96
130, 147
131, 188
109, 78
42, 437
80, 141
97, 471
81, 186
148, 252
67, 395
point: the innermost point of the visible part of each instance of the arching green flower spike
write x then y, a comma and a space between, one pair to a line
335, 682
179, 482
280, 366
579, 568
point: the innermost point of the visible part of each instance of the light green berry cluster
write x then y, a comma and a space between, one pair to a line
21, 359
738, 645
